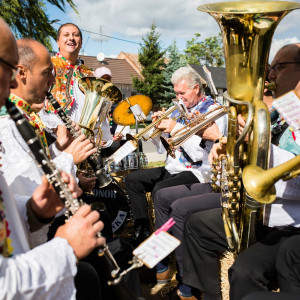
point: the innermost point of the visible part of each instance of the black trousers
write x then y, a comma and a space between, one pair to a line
151, 180
87, 283
271, 296
179, 203
254, 268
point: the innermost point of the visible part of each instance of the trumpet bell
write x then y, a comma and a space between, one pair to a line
122, 114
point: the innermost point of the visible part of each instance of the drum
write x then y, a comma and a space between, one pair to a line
130, 163
113, 203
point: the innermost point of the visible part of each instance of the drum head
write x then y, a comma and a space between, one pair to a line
113, 201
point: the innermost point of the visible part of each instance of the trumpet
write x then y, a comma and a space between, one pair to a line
142, 135
198, 123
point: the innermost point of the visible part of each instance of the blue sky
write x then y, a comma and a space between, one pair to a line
130, 20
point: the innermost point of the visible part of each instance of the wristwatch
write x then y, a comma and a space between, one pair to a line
219, 140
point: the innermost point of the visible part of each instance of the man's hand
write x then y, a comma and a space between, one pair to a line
81, 231
157, 114
81, 148
240, 127
118, 137
87, 183
167, 125
216, 150
45, 202
64, 137
210, 133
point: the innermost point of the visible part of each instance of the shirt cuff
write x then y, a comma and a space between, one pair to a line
35, 223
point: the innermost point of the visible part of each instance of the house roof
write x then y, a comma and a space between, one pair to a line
218, 75
121, 70
132, 59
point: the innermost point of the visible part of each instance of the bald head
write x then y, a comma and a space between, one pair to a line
36, 73
7, 42
29, 51
285, 69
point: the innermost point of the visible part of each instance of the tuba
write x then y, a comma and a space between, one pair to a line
99, 97
247, 28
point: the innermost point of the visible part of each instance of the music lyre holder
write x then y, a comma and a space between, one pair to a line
139, 116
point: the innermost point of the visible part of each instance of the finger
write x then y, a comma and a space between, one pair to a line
45, 183
72, 184
83, 211
77, 193
98, 226
88, 146
65, 176
100, 242
92, 151
80, 138
93, 217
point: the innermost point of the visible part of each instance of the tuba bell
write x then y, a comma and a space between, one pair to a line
247, 28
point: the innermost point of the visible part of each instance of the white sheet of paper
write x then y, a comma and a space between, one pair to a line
288, 107
123, 151
138, 113
156, 248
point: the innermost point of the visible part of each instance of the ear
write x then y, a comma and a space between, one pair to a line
197, 89
23, 71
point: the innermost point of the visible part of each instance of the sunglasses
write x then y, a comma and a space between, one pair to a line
15, 69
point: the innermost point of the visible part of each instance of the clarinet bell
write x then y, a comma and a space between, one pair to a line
103, 179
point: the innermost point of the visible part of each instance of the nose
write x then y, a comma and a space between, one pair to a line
272, 75
13, 84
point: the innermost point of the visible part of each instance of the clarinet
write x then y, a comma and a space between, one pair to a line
94, 159
54, 177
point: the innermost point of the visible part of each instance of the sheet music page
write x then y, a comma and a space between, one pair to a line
288, 107
138, 113
123, 151
156, 248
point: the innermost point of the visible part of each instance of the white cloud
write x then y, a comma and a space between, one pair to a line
278, 43
175, 19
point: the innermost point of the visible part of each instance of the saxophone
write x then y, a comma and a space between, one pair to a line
94, 160
247, 28
71, 204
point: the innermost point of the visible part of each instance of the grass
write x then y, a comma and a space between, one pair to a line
154, 164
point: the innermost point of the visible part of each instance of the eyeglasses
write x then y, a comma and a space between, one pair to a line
15, 69
277, 67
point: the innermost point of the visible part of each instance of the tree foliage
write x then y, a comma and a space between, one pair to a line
28, 18
176, 60
151, 57
208, 52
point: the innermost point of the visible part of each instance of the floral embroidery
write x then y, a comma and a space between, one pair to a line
33, 119
5, 242
62, 68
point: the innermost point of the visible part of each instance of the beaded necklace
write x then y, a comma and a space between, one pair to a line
66, 72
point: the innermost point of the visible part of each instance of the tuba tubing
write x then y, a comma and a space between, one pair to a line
94, 159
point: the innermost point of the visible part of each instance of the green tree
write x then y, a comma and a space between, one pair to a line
176, 60
151, 57
208, 52
28, 18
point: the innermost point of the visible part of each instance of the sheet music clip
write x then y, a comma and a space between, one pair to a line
138, 113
